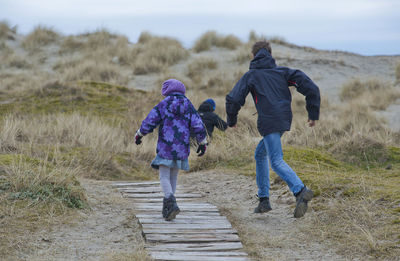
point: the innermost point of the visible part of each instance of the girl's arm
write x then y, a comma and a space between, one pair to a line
152, 120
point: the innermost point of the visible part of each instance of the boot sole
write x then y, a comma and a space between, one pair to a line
172, 215
262, 211
301, 206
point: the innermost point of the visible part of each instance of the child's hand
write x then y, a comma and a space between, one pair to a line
138, 137
201, 150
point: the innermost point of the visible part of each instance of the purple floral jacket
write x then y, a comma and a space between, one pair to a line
177, 118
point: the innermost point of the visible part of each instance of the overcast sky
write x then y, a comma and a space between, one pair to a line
368, 27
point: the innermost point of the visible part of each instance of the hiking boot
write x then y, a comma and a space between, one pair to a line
172, 208
263, 206
164, 208
302, 199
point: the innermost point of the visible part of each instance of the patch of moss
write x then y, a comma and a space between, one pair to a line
100, 99
313, 157
29, 184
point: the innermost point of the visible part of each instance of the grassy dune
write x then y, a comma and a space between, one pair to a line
79, 120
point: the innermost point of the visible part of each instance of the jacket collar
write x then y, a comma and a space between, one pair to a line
263, 60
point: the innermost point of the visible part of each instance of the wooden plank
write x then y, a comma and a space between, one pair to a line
182, 208
183, 204
180, 257
191, 238
160, 200
225, 246
157, 213
144, 183
150, 218
185, 215
161, 195
181, 221
187, 231
189, 226
205, 253
149, 190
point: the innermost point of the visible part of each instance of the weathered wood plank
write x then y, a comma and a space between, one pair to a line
179, 257
191, 238
206, 253
189, 226
182, 208
225, 246
184, 215
161, 195
153, 218
144, 183
149, 190
160, 200
187, 231
181, 221
183, 204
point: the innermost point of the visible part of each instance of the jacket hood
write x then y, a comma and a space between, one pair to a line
178, 104
172, 86
205, 107
263, 60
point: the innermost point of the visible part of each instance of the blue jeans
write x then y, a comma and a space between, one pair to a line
270, 147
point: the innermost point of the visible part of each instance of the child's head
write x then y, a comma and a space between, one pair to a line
212, 102
264, 44
172, 86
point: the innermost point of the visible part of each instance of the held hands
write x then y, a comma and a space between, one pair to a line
202, 148
138, 137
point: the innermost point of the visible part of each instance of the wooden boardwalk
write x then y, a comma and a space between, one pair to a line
199, 232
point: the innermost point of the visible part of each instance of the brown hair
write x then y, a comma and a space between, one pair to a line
259, 45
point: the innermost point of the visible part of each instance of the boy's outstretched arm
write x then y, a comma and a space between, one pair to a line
308, 88
236, 99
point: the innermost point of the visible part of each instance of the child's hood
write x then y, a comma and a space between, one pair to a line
172, 86
205, 107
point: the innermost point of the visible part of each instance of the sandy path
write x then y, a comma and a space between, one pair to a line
271, 236
108, 231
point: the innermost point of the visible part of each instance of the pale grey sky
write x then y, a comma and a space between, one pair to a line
368, 27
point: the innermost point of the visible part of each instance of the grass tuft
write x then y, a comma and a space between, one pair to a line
211, 38
39, 37
153, 54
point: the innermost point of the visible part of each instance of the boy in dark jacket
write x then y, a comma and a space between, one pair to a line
269, 86
210, 118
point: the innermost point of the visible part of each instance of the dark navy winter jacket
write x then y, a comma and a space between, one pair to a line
210, 118
269, 86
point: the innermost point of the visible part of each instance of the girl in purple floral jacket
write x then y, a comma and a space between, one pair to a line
176, 118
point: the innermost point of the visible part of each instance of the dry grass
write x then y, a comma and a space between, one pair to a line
152, 54
211, 38
39, 37
200, 66
93, 71
372, 93
6, 32
397, 73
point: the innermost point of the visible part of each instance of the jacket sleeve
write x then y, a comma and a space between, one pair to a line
236, 99
219, 123
308, 88
152, 120
197, 126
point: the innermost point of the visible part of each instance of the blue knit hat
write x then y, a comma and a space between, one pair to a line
212, 102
